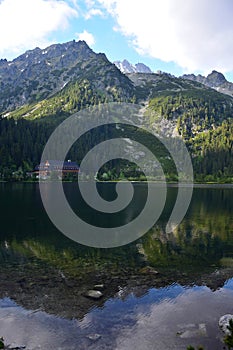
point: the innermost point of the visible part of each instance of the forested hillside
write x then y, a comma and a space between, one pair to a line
75, 78
204, 119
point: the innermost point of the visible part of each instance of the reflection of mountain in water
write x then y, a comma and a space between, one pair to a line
40, 266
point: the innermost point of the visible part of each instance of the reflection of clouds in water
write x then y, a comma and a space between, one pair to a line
38, 330
86, 321
158, 329
150, 322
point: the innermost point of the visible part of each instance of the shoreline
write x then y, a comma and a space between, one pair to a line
168, 184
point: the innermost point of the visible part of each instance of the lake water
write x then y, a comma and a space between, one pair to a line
163, 291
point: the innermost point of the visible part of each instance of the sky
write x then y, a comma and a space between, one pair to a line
175, 36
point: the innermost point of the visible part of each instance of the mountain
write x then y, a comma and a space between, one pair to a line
214, 80
126, 67
38, 74
41, 88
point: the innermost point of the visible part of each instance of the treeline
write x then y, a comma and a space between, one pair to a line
22, 142
193, 110
205, 121
212, 153
25, 131
203, 118
21, 146
74, 96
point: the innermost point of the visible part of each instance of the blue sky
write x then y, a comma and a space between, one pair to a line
176, 36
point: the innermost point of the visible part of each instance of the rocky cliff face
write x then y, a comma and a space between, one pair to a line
38, 74
215, 80
127, 67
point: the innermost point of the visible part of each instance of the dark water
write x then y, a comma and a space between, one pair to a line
164, 291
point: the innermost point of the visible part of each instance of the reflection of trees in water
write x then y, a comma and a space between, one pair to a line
72, 259
37, 255
186, 247
203, 237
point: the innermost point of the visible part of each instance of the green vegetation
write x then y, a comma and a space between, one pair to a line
204, 120
23, 139
202, 116
21, 146
72, 98
228, 339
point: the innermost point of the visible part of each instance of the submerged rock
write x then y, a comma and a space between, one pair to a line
98, 287
192, 331
148, 270
94, 337
93, 294
224, 323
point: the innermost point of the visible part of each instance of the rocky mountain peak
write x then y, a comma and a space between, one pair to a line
142, 68
39, 73
71, 49
216, 78
127, 67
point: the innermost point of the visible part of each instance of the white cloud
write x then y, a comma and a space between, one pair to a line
93, 12
90, 3
88, 37
28, 23
196, 34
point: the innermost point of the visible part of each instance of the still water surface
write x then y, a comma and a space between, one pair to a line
164, 291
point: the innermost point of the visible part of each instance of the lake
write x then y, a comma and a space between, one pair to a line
163, 291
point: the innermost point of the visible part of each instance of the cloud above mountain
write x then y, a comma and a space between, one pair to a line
28, 23
86, 36
195, 34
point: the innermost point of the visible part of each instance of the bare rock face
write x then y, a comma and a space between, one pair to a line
40, 73
127, 67
214, 80
142, 68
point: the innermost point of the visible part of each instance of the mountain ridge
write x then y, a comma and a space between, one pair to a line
38, 74
126, 67
41, 88
215, 80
